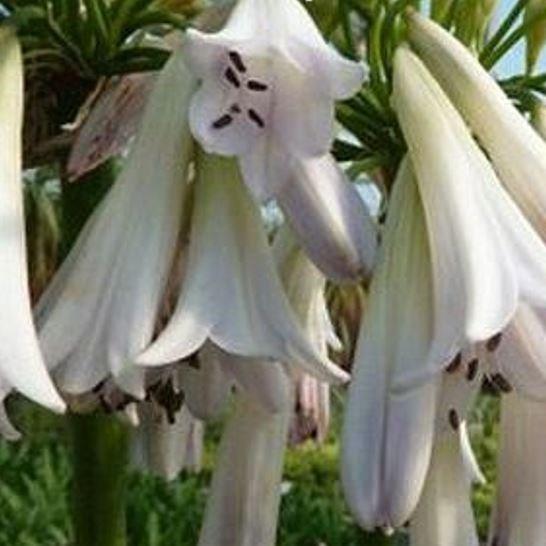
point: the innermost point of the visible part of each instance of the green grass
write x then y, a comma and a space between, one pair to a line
35, 477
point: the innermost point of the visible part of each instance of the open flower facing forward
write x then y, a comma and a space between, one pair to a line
101, 309
268, 91
21, 364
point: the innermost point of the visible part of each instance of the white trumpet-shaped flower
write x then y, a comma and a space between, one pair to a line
101, 309
388, 434
486, 257
516, 150
268, 91
518, 516
246, 488
21, 364
232, 294
329, 218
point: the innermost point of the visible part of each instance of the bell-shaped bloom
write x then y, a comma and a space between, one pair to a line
246, 488
21, 364
388, 433
101, 309
329, 218
517, 152
232, 294
269, 81
518, 516
486, 257
163, 448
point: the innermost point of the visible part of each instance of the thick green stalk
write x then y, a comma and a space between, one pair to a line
100, 455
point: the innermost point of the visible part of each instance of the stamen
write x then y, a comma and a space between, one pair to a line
454, 420
502, 383
231, 77
237, 60
455, 364
472, 369
493, 343
235, 109
255, 117
222, 122
255, 85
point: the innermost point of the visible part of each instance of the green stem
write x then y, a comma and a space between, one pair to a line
100, 455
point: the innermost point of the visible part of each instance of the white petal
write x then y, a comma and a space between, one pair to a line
244, 500
264, 382
266, 169
444, 514
516, 150
486, 257
101, 311
519, 512
206, 388
387, 436
521, 357
166, 449
330, 219
231, 289
21, 363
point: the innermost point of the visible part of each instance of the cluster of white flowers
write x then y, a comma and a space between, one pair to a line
173, 298
459, 293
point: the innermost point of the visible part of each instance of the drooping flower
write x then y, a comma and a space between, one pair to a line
231, 292
268, 91
101, 309
246, 488
517, 152
518, 516
486, 257
329, 218
21, 364
388, 434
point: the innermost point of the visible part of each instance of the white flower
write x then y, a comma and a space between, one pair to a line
486, 257
516, 150
518, 517
21, 364
100, 311
388, 434
231, 292
268, 91
246, 488
329, 218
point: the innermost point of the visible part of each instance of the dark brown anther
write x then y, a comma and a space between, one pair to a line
235, 109
454, 420
222, 122
255, 85
455, 364
232, 78
472, 369
493, 343
237, 61
105, 405
495, 541
502, 383
255, 117
98, 387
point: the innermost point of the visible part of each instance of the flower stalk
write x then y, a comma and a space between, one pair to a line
100, 454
